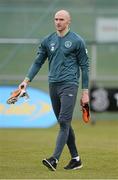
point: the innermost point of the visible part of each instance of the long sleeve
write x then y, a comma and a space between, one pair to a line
83, 62
38, 62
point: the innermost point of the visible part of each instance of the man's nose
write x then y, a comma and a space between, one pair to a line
57, 21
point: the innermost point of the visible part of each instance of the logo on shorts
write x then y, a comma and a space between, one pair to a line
70, 95
68, 44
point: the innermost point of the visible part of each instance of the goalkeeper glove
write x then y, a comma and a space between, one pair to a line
15, 95
86, 113
85, 105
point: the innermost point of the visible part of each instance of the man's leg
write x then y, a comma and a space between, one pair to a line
75, 162
61, 139
67, 94
71, 143
56, 103
51, 162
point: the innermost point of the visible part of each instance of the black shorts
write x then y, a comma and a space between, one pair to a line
63, 98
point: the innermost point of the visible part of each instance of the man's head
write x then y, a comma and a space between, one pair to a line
62, 20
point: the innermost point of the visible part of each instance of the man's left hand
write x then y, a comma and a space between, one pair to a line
84, 97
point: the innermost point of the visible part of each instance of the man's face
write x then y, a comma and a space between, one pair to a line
61, 20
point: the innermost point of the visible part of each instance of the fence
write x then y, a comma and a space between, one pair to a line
103, 66
103, 60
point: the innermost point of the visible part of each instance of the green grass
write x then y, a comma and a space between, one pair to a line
22, 150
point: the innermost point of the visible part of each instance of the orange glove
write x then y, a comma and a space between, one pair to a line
16, 94
85, 106
86, 113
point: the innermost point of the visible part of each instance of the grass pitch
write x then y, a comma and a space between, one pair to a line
22, 151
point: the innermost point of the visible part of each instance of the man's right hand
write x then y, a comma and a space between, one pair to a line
24, 84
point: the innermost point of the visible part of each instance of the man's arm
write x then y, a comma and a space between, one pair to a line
83, 61
35, 67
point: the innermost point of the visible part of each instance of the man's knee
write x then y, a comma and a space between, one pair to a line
65, 124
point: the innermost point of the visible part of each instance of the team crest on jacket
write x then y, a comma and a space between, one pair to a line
68, 44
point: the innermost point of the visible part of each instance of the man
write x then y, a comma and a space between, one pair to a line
66, 55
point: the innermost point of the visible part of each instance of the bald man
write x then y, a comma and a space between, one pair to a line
67, 56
